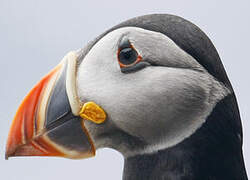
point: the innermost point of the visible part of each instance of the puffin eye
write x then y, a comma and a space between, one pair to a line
128, 56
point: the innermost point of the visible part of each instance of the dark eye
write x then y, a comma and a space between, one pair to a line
128, 56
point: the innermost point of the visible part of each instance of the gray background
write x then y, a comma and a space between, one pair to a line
35, 35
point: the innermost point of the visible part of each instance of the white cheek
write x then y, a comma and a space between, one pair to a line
161, 105
177, 109
98, 67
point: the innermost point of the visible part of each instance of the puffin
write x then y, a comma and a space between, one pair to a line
154, 89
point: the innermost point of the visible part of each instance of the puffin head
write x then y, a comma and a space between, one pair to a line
154, 93
145, 85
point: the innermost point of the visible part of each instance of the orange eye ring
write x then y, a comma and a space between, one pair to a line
139, 58
128, 54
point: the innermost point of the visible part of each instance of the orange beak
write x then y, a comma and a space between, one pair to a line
23, 139
46, 123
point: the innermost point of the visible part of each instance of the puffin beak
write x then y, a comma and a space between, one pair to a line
50, 120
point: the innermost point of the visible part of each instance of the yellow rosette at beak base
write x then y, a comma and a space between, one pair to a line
93, 112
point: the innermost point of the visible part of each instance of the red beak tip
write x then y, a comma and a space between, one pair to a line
22, 150
9, 153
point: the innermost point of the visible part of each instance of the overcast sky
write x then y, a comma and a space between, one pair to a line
36, 34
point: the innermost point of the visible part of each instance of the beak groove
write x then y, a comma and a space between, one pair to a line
47, 122
25, 125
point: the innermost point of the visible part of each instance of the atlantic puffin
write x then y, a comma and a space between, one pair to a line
154, 89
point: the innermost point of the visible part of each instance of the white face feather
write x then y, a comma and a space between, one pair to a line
160, 105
